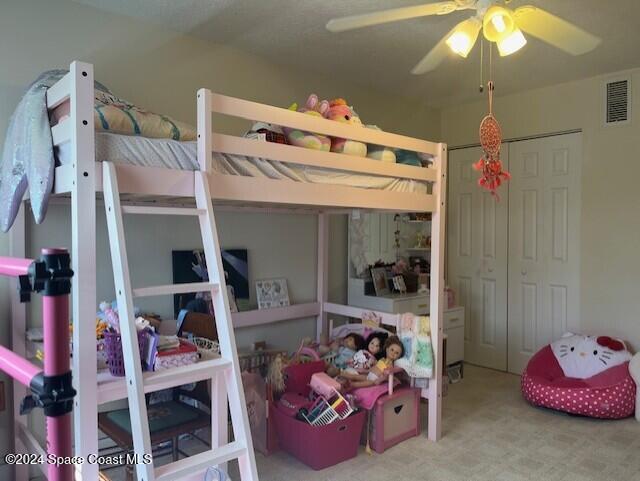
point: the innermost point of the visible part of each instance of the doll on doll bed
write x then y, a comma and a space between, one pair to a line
393, 350
363, 360
344, 351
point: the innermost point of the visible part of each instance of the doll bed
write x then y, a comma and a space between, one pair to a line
608, 395
172, 154
366, 397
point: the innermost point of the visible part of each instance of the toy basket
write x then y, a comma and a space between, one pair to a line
207, 349
113, 348
323, 412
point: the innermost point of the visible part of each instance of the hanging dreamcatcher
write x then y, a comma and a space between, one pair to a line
490, 166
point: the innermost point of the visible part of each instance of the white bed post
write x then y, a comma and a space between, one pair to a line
437, 292
18, 248
219, 397
323, 271
205, 147
83, 258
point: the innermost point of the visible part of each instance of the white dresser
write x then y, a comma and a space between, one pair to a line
392, 303
454, 329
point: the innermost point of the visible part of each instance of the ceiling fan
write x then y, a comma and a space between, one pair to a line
499, 24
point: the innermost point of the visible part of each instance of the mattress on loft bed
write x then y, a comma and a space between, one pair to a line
171, 154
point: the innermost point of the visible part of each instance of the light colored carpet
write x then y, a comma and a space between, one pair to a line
490, 433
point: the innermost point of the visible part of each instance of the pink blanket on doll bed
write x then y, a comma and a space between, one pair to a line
366, 397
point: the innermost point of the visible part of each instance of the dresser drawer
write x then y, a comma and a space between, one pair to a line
417, 305
453, 318
420, 306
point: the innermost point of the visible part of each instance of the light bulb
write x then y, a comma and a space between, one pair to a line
460, 43
498, 23
511, 43
464, 36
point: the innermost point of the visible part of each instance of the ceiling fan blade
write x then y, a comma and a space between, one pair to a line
376, 18
438, 53
555, 31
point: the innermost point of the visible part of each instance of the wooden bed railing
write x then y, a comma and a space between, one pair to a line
254, 111
210, 141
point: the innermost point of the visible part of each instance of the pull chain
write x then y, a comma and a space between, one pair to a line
481, 89
490, 85
490, 61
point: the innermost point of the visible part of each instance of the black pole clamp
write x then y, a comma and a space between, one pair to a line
52, 393
50, 275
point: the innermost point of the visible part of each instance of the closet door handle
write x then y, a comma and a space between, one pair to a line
490, 269
523, 272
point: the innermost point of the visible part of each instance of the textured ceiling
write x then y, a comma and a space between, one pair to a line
292, 32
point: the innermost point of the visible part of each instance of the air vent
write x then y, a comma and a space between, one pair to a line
617, 102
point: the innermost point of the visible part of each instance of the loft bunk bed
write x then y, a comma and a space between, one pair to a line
81, 177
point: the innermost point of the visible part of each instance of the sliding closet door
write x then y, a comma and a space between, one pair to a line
544, 243
477, 259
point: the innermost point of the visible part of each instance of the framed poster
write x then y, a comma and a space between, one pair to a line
190, 266
272, 293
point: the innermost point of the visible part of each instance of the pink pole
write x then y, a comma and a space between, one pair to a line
51, 276
14, 267
55, 311
17, 367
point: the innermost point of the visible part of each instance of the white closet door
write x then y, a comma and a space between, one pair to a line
544, 243
477, 259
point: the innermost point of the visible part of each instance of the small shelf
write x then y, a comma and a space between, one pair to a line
112, 388
256, 317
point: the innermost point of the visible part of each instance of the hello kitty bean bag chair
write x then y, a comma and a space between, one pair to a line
582, 375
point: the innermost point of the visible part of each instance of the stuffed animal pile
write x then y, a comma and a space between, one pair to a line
337, 110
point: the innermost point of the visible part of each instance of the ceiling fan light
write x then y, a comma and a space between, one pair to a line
460, 43
512, 43
464, 37
497, 23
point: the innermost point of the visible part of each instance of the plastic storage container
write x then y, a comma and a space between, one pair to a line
320, 446
395, 418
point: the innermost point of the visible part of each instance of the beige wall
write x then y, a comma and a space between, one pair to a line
610, 230
161, 71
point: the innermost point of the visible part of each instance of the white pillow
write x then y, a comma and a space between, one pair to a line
582, 357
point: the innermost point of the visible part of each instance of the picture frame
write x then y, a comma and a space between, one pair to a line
380, 283
399, 284
272, 293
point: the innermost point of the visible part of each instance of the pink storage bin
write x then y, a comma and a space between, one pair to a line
324, 385
394, 419
320, 446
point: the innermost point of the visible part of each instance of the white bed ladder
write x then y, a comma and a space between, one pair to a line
224, 372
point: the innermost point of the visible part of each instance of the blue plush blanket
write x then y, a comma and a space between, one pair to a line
28, 159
